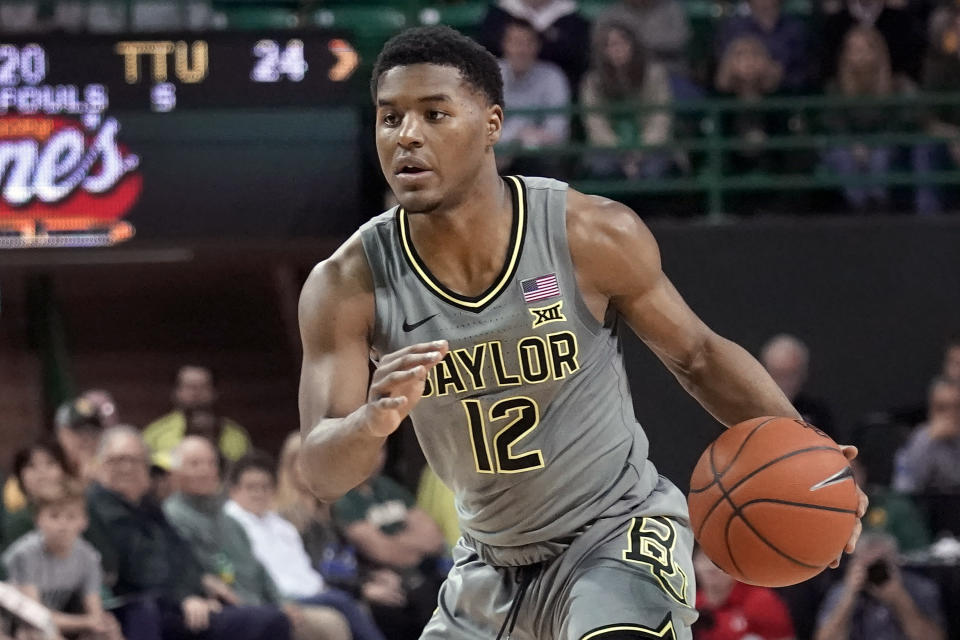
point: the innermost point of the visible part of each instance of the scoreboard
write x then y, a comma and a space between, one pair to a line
82, 75
175, 135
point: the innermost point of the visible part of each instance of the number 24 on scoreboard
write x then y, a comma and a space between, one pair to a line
275, 61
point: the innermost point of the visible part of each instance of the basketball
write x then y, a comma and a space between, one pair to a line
772, 501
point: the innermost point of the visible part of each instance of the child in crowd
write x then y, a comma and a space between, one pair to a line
54, 565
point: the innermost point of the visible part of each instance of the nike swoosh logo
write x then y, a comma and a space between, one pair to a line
407, 328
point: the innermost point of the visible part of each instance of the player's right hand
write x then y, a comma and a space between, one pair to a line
398, 385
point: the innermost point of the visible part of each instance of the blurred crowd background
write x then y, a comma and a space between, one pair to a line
797, 160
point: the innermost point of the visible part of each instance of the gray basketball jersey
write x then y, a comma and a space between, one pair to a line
528, 419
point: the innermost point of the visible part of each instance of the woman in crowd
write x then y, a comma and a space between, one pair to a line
621, 72
864, 71
40, 470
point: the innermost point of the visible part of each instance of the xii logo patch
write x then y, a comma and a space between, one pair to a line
548, 314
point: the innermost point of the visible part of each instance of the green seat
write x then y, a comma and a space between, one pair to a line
464, 16
247, 17
363, 21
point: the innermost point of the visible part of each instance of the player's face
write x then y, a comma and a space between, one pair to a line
434, 132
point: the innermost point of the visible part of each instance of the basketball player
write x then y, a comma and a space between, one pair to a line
491, 307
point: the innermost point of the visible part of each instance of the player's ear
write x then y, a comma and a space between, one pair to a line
494, 124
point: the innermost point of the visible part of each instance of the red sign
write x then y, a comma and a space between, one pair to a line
62, 176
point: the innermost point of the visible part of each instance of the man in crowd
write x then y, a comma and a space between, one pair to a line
531, 83
787, 359
223, 549
381, 520
194, 396
278, 546
152, 572
930, 461
878, 601
564, 33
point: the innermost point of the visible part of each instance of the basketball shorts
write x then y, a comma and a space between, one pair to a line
628, 576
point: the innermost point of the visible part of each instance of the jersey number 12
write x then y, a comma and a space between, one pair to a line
522, 416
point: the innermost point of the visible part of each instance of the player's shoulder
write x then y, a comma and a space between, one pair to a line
345, 274
599, 220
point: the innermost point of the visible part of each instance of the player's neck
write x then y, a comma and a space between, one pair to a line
465, 244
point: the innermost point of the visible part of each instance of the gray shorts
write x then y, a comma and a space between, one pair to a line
629, 575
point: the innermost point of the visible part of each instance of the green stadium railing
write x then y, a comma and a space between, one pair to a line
713, 147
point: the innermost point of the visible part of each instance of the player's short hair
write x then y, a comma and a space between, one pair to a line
446, 47
70, 491
254, 461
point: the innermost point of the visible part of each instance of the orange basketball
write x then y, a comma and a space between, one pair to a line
772, 501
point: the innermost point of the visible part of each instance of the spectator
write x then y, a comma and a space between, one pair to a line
730, 610
620, 72
878, 601
864, 72
277, 545
748, 72
564, 33
149, 568
78, 426
941, 72
39, 470
194, 394
661, 27
787, 360
336, 560
530, 83
897, 23
785, 37
891, 512
53, 565
223, 549
951, 360
930, 461
381, 520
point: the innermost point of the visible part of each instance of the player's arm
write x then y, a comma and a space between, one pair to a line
617, 260
345, 418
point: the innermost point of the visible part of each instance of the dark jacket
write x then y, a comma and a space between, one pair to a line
141, 552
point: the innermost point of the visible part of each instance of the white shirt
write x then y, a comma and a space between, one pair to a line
278, 546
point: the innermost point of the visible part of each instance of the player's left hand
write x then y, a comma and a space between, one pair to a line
850, 452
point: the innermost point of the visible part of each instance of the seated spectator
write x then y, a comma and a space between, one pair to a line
530, 83
620, 72
730, 610
941, 72
897, 23
785, 37
78, 424
891, 512
40, 470
878, 601
930, 461
380, 588
194, 393
380, 519
951, 360
748, 72
223, 549
55, 566
564, 33
662, 28
864, 72
787, 359
278, 546
157, 582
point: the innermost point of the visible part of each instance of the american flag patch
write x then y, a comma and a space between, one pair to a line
540, 288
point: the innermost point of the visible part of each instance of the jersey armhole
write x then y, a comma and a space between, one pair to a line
373, 251
558, 228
